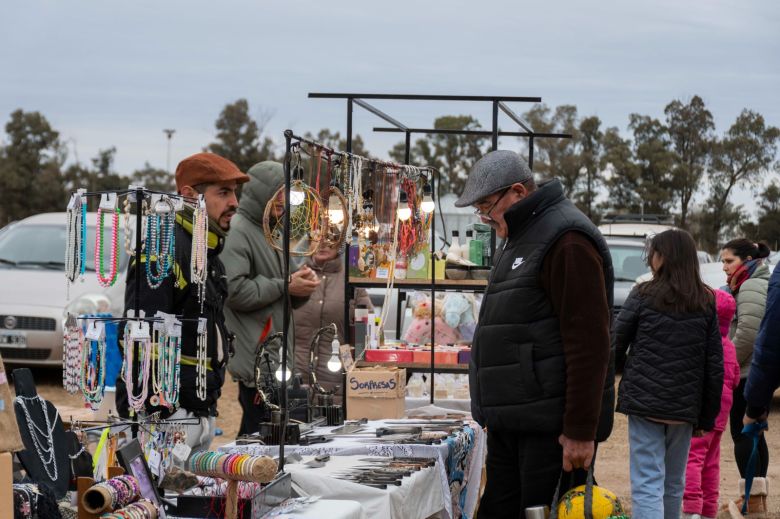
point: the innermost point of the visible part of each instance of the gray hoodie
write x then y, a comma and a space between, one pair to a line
254, 276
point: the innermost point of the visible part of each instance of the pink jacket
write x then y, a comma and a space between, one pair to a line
726, 308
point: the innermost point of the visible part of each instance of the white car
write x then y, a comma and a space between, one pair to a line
35, 298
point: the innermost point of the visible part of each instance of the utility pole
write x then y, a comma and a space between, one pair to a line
169, 134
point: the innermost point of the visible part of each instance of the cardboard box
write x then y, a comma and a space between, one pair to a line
389, 356
376, 393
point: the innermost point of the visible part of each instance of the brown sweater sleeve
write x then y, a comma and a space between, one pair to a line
573, 277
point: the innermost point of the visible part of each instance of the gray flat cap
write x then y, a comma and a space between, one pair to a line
493, 172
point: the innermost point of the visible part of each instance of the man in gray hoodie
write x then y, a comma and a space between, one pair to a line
255, 304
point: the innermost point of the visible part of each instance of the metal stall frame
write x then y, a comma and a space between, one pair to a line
499, 103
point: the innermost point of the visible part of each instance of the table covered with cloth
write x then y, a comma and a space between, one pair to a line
459, 459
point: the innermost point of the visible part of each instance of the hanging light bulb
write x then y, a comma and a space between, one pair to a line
335, 211
334, 364
278, 374
297, 196
404, 212
427, 205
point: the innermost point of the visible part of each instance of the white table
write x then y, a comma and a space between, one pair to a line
459, 478
456, 404
330, 508
419, 496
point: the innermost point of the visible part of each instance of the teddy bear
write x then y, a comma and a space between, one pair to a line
419, 330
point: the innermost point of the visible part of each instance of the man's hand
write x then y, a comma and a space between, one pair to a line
576, 454
747, 420
303, 282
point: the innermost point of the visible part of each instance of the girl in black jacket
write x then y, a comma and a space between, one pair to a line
673, 376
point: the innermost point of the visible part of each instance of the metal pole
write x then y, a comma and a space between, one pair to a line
288, 307
139, 199
348, 291
433, 284
169, 133
531, 152
495, 126
408, 148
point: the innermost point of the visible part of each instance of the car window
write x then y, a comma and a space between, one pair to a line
43, 244
628, 262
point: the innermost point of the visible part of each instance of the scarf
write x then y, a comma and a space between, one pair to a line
742, 274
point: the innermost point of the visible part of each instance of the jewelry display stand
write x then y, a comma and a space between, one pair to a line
30, 457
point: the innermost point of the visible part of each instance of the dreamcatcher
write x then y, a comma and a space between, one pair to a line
306, 215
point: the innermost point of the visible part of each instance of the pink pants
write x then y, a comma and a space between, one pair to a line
702, 476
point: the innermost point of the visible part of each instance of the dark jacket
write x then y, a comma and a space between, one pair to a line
177, 295
674, 369
764, 375
518, 368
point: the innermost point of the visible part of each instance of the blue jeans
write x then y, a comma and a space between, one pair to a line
659, 455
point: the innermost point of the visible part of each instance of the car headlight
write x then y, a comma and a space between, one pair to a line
88, 304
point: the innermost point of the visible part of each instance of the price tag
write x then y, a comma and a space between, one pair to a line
175, 330
181, 452
139, 330
133, 190
72, 202
178, 204
159, 326
155, 463
96, 330
109, 201
202, 324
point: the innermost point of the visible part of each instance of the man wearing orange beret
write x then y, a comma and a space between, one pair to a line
217, 179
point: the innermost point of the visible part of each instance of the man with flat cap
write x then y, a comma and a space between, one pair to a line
541, 372
216, 178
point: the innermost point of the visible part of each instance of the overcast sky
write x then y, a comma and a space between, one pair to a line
117, 73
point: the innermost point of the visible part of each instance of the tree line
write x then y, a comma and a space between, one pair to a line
657, 168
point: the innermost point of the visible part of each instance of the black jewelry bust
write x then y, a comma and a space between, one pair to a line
30, 457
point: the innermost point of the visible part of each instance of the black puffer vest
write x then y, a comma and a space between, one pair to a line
518, 372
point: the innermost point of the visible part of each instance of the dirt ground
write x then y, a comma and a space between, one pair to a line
611, 468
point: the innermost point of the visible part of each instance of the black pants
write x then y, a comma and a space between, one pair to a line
523, 471
253, 412
743, 445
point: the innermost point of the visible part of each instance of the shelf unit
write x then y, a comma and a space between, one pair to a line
498, 104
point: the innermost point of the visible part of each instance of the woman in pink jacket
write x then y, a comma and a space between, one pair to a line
702, 475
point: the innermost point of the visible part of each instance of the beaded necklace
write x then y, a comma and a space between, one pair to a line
42, 438
93, 372
201, 367
160, 237
199, 255
144, 345
71, 356
74, 244
166, 370
99, 267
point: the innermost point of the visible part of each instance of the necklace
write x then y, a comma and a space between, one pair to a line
73, 253
129, 236
198, 257
42, 438
160, 236
93, 372
144, 346
99, 267
201, 368
71, 356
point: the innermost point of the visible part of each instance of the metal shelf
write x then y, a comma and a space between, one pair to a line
421, 284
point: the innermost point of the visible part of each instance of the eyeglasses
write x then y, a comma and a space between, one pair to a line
486, 214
